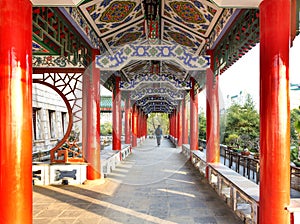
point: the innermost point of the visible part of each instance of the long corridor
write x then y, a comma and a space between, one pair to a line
153, 185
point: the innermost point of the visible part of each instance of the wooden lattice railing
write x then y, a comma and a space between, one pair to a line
70, 152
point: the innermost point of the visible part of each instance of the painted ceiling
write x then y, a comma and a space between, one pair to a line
185, 23
194, 25
188, 23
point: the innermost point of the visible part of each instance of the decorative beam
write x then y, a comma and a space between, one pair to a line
74, 15
53, 32
243, 35
164, 106
53, 3
157, 103
55, 61
175, 95
129, 53
155, 78
162, 109
238, 3
143, 103
170, 101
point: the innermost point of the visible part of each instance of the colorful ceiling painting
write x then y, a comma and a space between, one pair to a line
152, 52
187, 23
156, 69
197, 16
173, 33
128, 35
38, 48
109, 15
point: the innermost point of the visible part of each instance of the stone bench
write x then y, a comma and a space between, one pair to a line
125, 152
36, 176
65, 175
110, 159
185, 150
294, 209
40, 173
199, 161
240, 193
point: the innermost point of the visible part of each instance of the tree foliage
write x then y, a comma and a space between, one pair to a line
155, 119
295, 126
202, 125
106, 128
242, 121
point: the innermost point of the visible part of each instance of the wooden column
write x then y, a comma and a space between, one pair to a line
16, 112
185, 136
193, 117
134, 126
179, 126
212, 116
117, 116
127, 121
274, 111
91, 119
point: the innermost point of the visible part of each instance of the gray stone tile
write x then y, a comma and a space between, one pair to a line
205, 220
159, 185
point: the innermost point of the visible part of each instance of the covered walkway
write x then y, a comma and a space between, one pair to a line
153, 185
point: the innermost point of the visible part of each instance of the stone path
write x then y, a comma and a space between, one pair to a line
154, 185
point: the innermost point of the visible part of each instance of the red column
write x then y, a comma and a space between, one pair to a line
179, 126
16, 112
91, 119
117, 116
193, 117
127, 121
175, 125
274, 111
146, 125
170, 125
138, 124
185, 130
212, 117
134, 127
143, 126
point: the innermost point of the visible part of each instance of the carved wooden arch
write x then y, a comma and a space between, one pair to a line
68, 84
70, 124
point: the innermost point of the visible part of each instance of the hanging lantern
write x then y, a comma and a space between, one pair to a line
151, 8
151, 17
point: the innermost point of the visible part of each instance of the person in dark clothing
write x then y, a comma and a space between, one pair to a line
158, 134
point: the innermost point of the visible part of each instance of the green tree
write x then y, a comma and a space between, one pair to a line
202, 125
243, 121
155, 119
295, 136
295, 118
106, 128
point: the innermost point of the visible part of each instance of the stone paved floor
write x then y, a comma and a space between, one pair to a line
153, 185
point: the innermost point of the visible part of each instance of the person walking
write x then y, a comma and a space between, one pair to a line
158, 134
